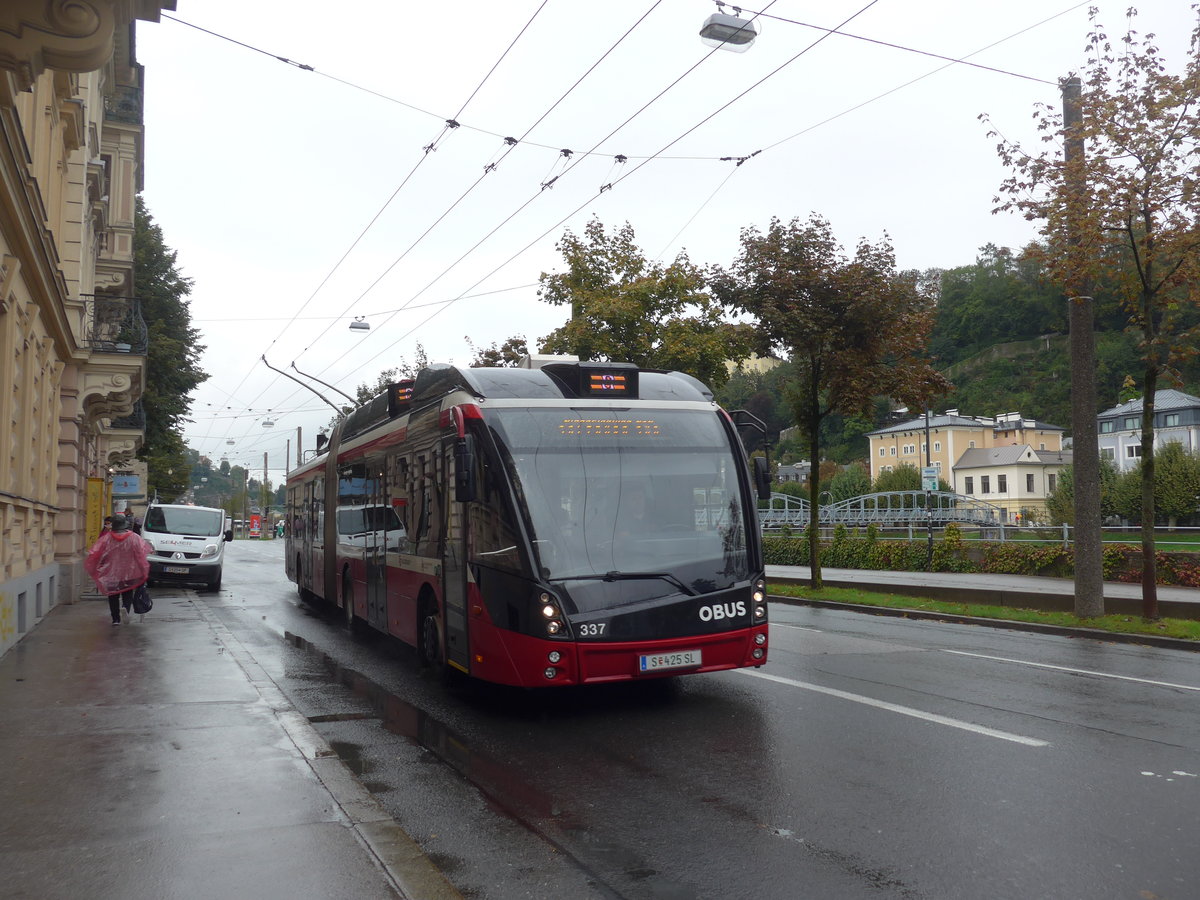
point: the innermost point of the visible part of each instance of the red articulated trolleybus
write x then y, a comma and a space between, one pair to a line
559, 524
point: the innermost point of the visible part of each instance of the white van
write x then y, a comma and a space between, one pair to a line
189, 543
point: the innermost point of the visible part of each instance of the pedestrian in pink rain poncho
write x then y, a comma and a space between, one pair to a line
117, 563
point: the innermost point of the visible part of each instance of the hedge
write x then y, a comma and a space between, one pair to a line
846, 550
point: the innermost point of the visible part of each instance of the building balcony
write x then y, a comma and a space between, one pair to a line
117, 325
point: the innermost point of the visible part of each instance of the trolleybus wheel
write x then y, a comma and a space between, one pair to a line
430, 636
348, 600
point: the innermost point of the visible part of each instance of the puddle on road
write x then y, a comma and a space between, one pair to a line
502, 785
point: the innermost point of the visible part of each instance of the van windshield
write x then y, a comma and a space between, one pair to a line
187, 520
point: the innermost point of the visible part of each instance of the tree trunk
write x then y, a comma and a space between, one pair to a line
1089, 560
1149, 563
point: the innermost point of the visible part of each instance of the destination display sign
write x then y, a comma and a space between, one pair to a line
609, 427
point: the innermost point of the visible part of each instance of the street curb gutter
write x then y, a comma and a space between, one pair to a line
401, 858
1149, 640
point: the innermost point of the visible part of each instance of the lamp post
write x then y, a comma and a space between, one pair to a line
928, 498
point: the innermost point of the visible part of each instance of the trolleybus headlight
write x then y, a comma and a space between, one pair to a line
760, 589
550, 672
759, 639
550, 611
554, 656
760, 612
553, 626
759, 653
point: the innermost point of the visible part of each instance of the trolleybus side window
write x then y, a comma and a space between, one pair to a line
316, 511
492, 524
396, 492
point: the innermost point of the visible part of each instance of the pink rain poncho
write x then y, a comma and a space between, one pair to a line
117, 561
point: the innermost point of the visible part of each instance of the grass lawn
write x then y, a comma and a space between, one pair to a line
1187, 629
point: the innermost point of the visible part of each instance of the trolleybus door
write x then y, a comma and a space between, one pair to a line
454, 568
375, 546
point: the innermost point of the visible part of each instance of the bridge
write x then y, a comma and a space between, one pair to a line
891, 509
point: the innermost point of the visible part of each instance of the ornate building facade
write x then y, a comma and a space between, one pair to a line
72, 339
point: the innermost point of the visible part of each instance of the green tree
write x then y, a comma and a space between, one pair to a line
1126, 213
852, 482
903, 477
626, 308
511, 352
853, 327
1060, 502
1176, 483
172, 357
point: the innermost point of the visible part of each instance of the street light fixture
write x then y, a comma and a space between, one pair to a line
727, 32
360, 324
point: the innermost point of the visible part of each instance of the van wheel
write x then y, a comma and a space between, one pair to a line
215, 584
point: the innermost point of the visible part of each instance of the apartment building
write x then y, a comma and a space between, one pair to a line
951, 435
72, 340
1119, 429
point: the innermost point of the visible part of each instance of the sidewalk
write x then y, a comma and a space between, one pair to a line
158, 760
1025, 591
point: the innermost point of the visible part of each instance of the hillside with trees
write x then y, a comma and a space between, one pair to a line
1000, 337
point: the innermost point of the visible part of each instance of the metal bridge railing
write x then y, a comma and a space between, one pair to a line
895, 509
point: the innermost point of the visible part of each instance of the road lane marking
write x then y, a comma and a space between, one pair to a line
797, 627
903, 710
1037, 665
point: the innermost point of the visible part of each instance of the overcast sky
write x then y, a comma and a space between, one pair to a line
299, 199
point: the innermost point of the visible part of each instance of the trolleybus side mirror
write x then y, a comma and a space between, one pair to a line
464, 469
762, 477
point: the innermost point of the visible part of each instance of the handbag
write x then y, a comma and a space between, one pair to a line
142, 603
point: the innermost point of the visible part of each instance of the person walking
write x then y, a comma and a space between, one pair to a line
118, 564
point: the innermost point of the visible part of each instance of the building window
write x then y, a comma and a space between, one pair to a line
1042, 446
1051, 482
937, 446
893, 451
925, 449
1002, 483
1029, 484
970, 484
985, 484
1171, 419
1133, 451
937, 464
883, 451
1108, 427
971, 445
910, 449
1108, 453
1131, 423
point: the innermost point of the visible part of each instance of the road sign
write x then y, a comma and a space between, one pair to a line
929, 478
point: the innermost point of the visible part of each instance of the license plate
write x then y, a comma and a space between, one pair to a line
176, 570
680, 659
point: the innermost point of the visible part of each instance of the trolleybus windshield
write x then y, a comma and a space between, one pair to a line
626, 505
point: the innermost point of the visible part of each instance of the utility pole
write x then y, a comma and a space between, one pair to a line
928, 499
1089, 563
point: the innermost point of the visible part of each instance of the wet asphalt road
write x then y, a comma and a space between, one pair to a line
870, 758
